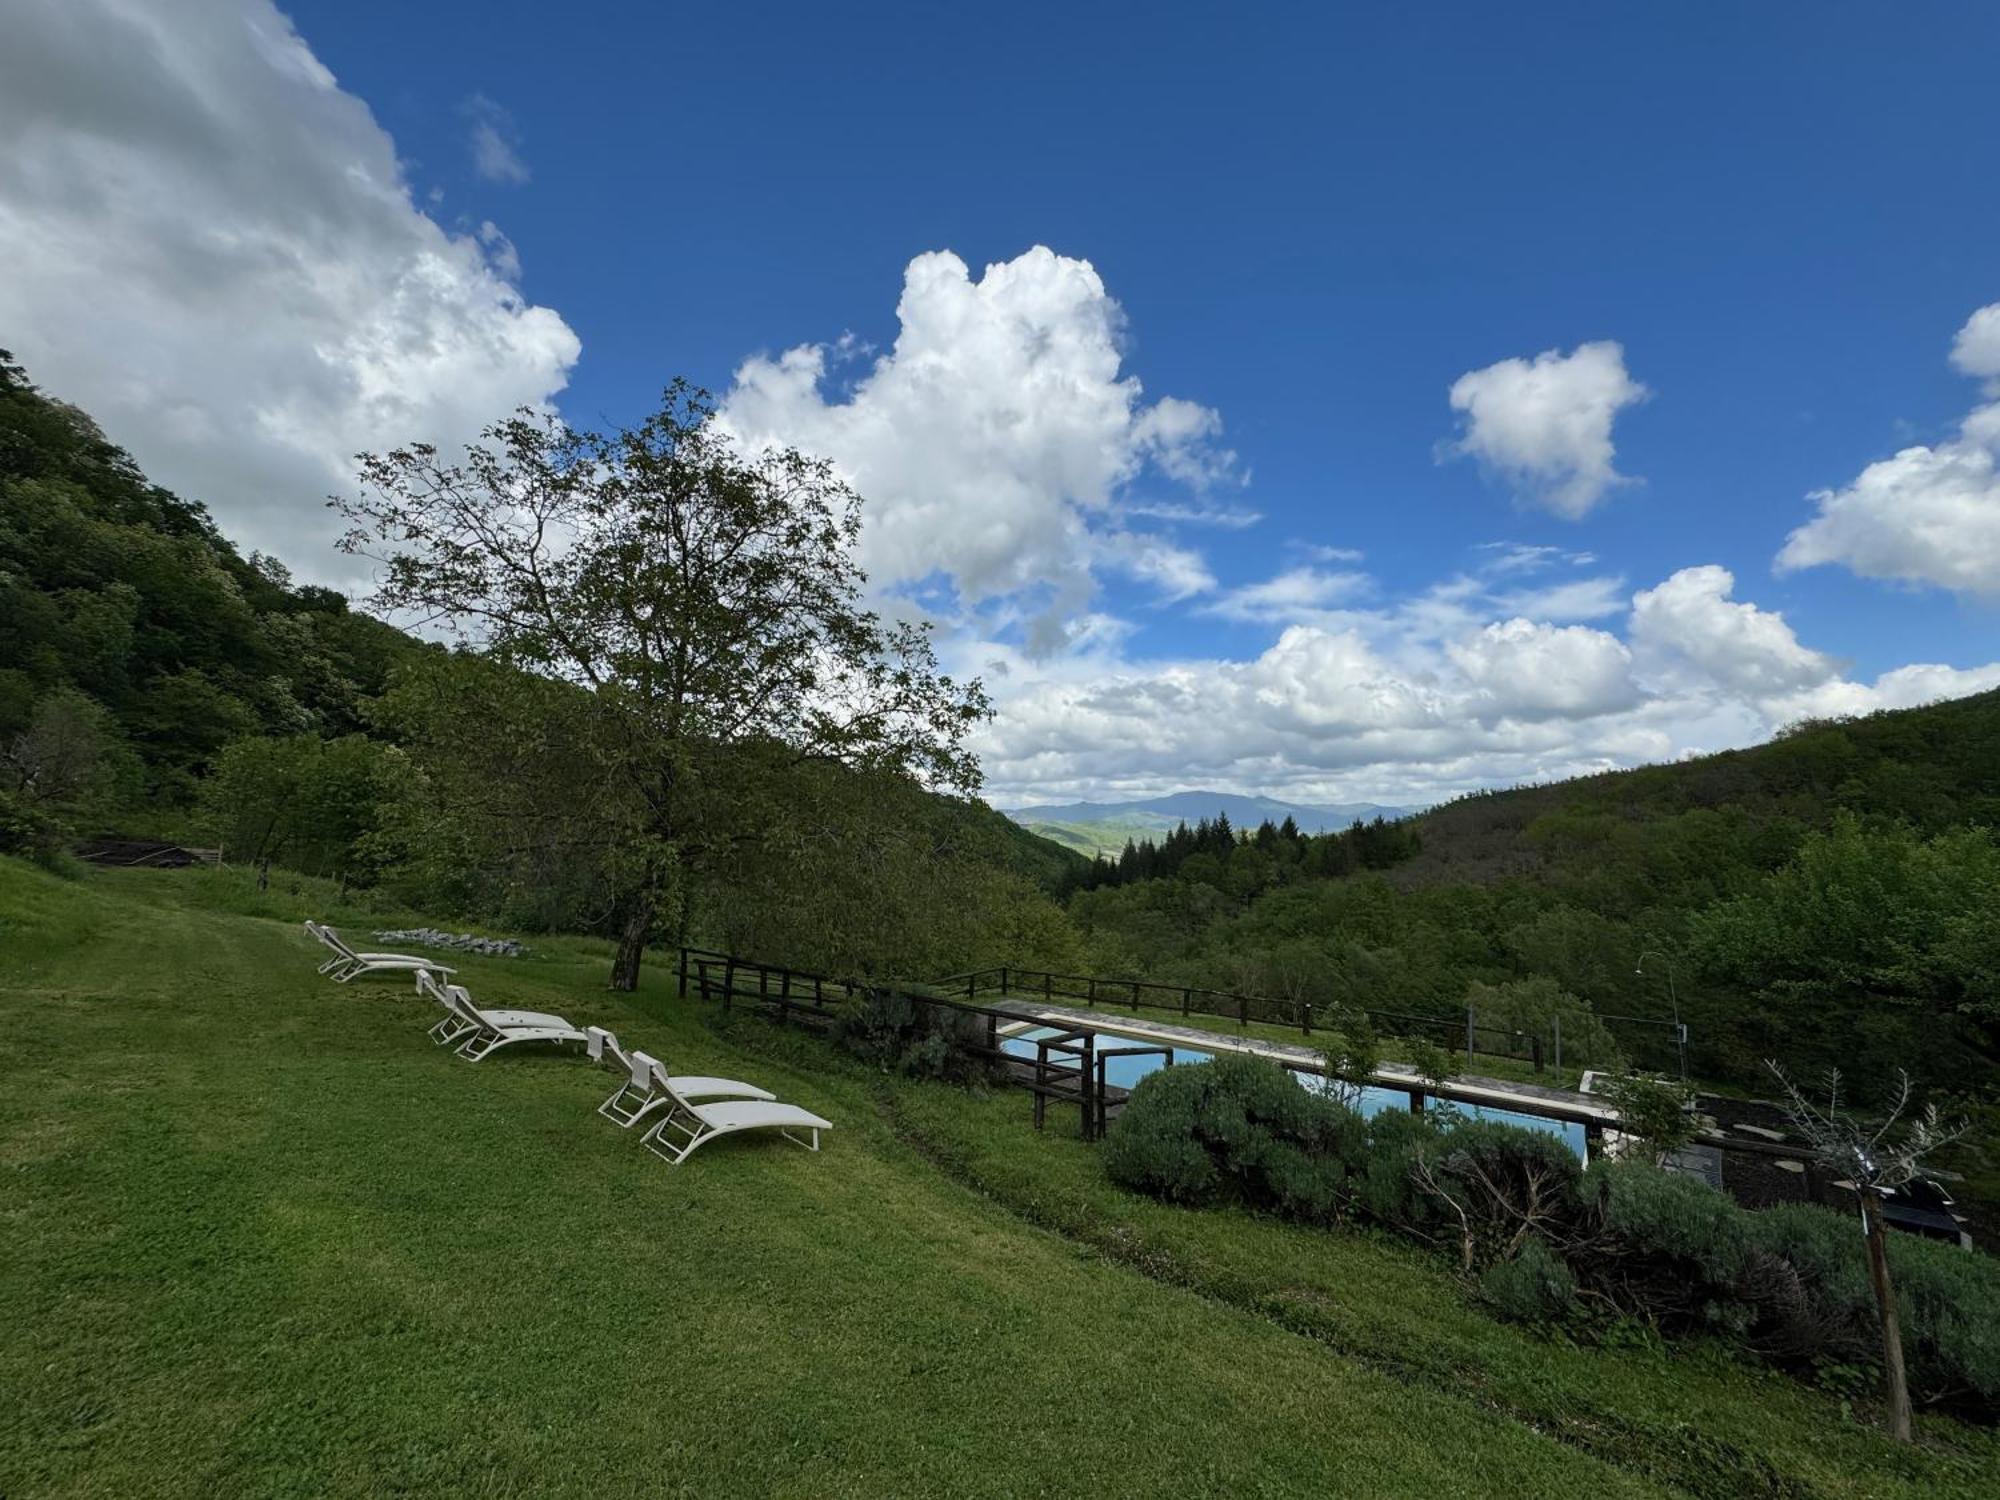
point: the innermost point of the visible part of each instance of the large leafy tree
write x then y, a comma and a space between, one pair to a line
706, 605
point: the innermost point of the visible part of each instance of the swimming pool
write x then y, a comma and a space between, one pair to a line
1125, 1073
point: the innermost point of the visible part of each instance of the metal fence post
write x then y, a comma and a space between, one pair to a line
1469, 1042
1558, 1025
684, 973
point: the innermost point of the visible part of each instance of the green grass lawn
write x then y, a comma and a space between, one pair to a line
261, 1238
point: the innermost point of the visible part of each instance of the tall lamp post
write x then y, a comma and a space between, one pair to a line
1673, 1000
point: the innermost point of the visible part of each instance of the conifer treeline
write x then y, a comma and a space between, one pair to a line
1207, 851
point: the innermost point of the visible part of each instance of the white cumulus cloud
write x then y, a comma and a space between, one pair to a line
1692, 621
1438, 693
994, 441
211, 247
1931, 513
1544, 425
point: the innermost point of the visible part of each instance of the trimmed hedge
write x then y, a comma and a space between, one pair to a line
1541, 1238
1238, 1129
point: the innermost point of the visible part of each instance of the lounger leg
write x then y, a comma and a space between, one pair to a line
656, 1142
812, 1145
624, 1111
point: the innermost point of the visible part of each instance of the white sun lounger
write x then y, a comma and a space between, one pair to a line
648, 1086
347, 964
686, 1126
487, 1031
453, 1025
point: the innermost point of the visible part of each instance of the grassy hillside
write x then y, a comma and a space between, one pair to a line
264, 1239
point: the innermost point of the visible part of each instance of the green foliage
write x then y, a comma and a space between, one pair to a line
1950, 1304
1656, 1112
1490, 1188
1350, 1052
1536, 1007
311, 804
114, 590
1868, 912
1238, 1129
706, 605
1855, 943
29, 830
894, 1027
1670, 1248
1535, 1286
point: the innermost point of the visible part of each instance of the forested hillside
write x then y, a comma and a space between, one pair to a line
1832, 897
154, 680
135, 641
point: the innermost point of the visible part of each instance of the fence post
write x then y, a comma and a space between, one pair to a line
1091, 989
1135, 997
1536, 1043
684, 973
1416, 1100
1308, 1008
1470, 1045
1003, 979
729, 984
1187, 1001
1558, 1023
968, 986
1242, 1010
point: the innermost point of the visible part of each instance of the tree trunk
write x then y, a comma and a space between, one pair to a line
632, 943
1885, 1302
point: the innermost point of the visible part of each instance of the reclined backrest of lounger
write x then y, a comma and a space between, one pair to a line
603, 1046
337, 943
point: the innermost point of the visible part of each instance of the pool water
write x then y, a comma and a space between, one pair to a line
1125, 1073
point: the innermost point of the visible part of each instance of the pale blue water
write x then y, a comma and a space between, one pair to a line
1125, 1072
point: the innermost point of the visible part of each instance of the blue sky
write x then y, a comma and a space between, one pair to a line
1313, 221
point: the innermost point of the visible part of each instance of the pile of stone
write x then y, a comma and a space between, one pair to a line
458, 942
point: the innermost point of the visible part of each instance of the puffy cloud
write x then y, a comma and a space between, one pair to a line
1528, 669
1976, 350
211, 248
1544, 425
495, 142
1432, 696
1930, 514
994, 441
1691, 622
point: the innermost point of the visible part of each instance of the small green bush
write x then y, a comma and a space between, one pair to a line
1808, 1281
901, 1028
1237, 1129
1490, 1187
1534, 1287
1949, 1303
31, 832
1665, 1246
1386, 1189
1819, 1309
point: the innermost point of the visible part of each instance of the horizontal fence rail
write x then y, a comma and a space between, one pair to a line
1069, 1066
1193, 1000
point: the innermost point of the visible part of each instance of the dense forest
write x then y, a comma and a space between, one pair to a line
1830, 897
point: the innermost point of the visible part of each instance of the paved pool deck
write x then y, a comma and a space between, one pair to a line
1498, 1092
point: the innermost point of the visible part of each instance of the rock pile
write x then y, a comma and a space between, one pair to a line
458, 942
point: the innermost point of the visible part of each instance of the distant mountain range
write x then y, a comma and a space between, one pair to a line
1103, 827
